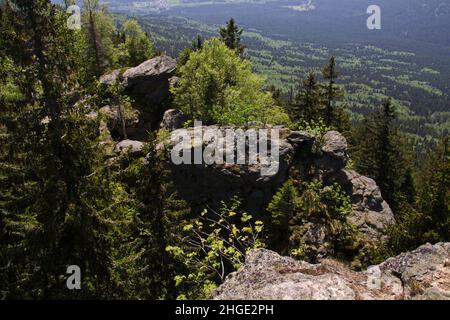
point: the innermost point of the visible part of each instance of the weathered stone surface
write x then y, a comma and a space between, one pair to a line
172, 119
300, 137
149, 82
119, 119
420, 274
425, 272
156, 67
132, 146
371, 214
173, 81
148, 86
334, 151
110, 78
202, 184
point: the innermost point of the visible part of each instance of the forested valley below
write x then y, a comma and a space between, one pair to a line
99, 122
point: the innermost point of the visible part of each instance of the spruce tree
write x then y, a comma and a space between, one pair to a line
307, 103
231, 35
99, 31
381, 153
55, 201
331, 92
434, 192
197, 44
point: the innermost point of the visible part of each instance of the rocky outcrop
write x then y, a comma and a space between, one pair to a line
149, 82
172, 119
134, 147
420, 274
424, 272
148, 86
110, 78
334, 153
371, 213
209, 184
124, 123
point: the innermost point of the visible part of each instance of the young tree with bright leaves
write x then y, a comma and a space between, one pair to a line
216, 86
183, 57
137, 45
212, 246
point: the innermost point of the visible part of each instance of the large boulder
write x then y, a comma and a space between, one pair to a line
334, 153
131, 146
421, 274
202, 184
172, 119
149, 82
124, 122
371, 214
148, 86
110, 78
209, 184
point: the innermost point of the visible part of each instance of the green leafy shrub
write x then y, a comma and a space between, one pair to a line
212, 246
217, 86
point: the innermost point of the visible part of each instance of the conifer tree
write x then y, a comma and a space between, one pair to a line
231, 35
99, 32
137, 45
307, 103
380, 153
331, 92
197, 44
434, 192
58, 224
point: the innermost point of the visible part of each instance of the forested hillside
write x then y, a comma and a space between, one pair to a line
369, 74
94, 176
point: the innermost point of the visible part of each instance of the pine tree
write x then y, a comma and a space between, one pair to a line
307, 103
434, 192
331, 92
56, 223
231, 35
99, 31
381, 153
